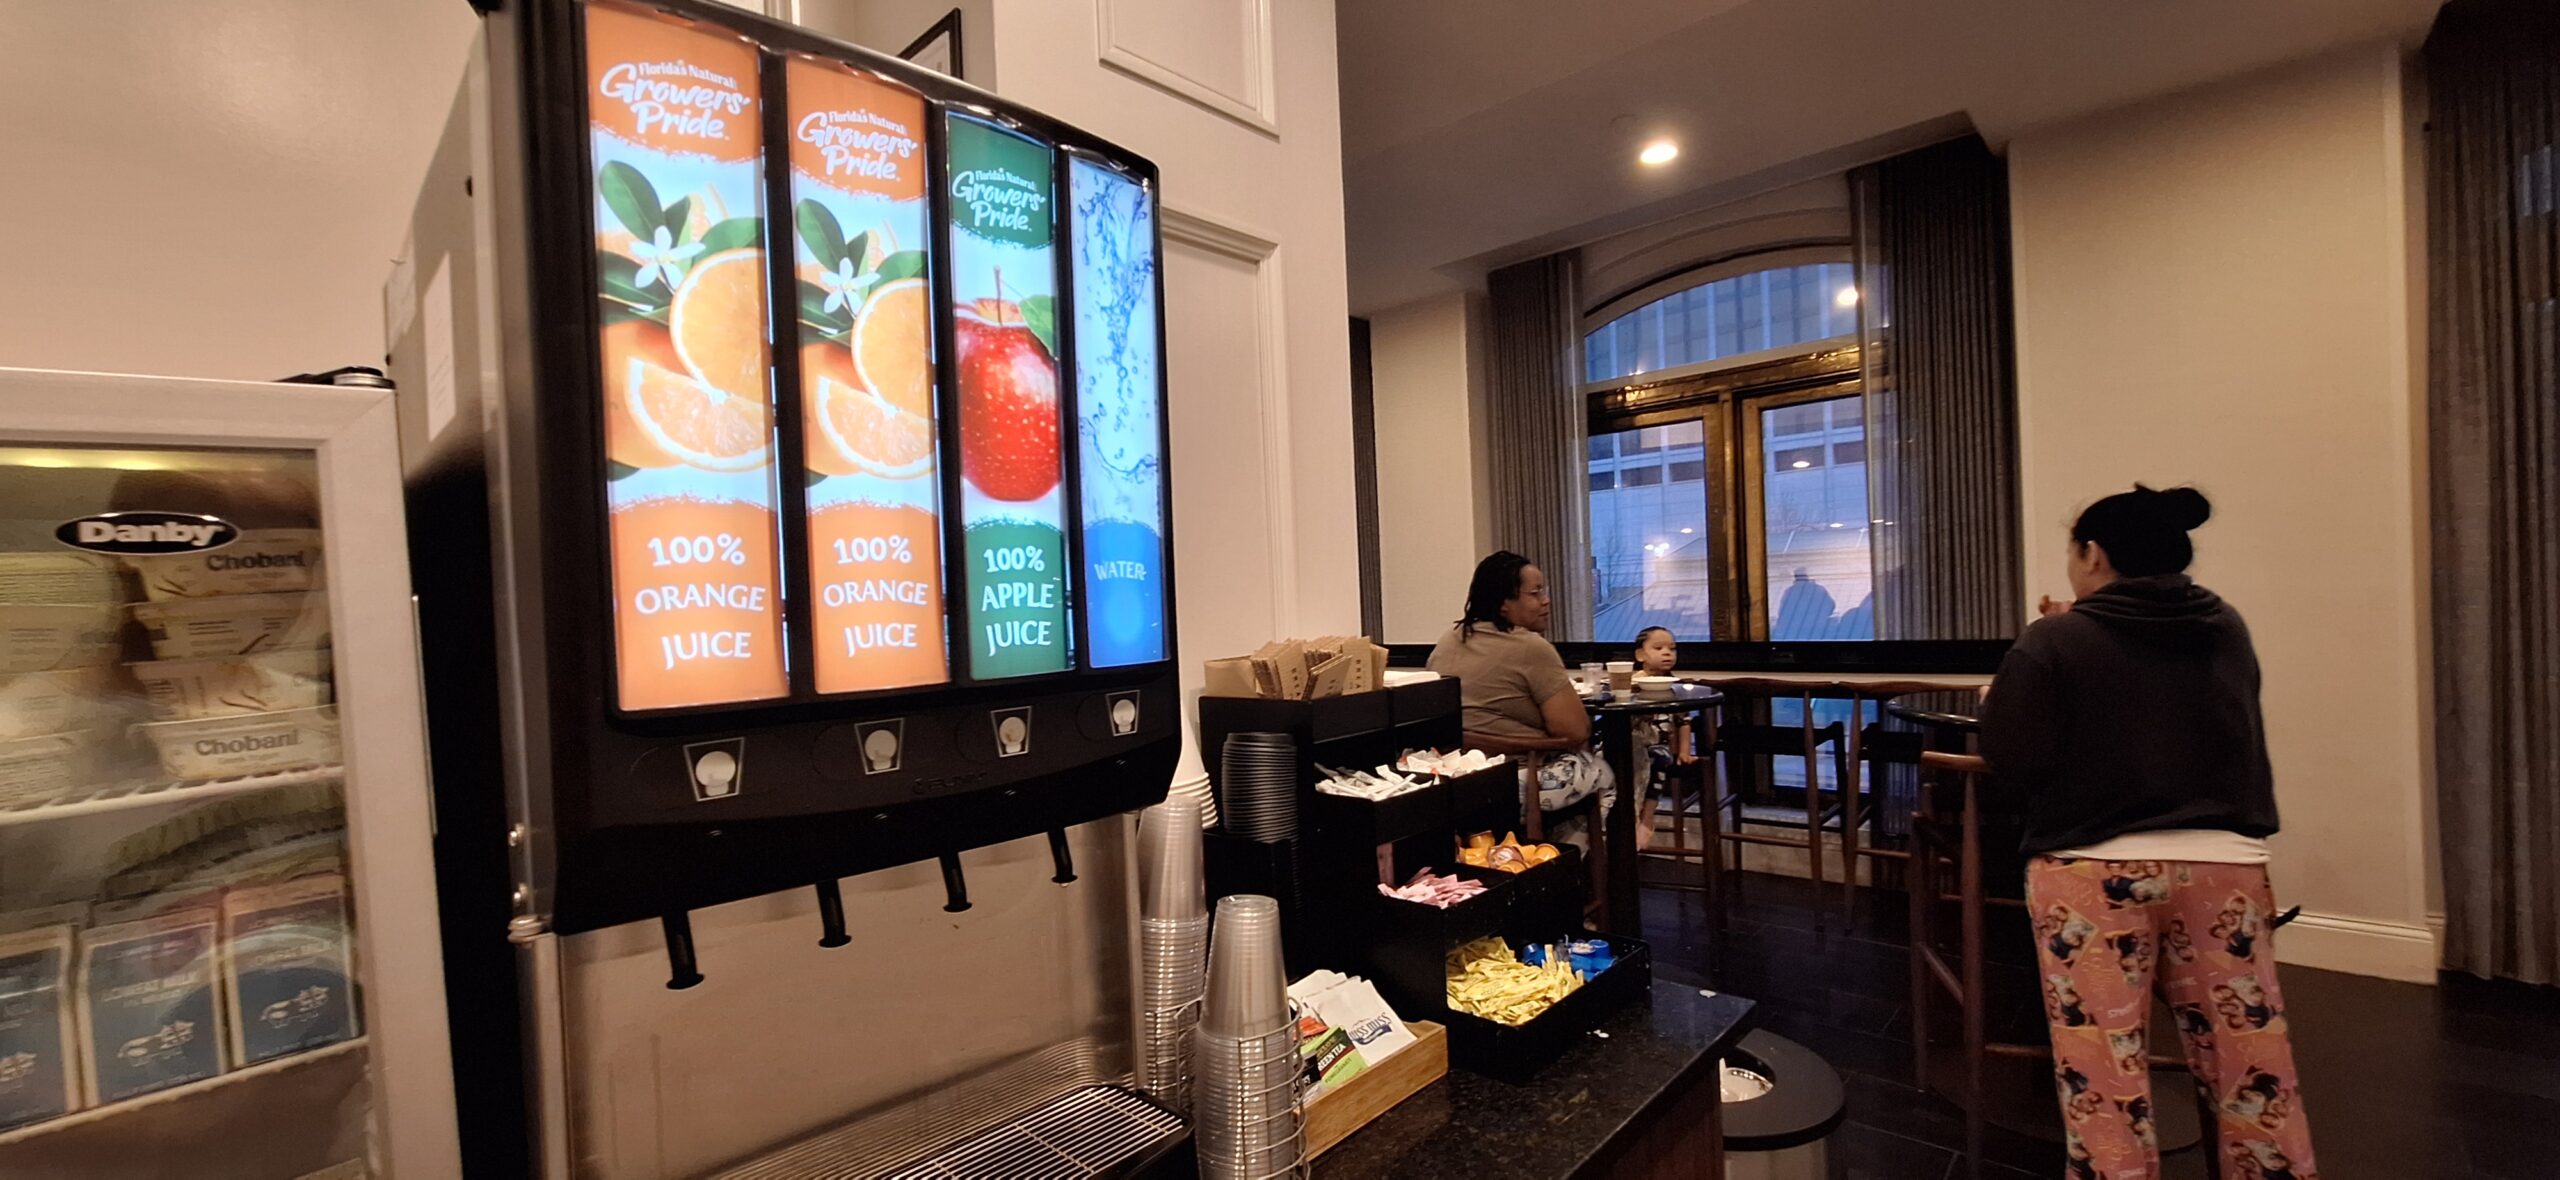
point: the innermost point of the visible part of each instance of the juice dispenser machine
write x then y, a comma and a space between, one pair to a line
785, 439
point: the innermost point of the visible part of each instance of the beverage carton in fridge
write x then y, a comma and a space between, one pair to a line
39, 1077
290, 973
150, 1008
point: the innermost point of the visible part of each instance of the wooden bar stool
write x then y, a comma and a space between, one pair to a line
1950, 830
1694, 783
1738, 740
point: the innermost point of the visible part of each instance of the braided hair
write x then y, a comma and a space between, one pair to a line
1497, 581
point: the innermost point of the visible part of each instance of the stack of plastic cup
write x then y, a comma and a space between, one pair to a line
1173, 945
1248, 1116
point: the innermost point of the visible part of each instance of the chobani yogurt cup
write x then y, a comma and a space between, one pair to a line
221, 686
40, 769
45, 636
197, 628
262, 561
40, 703
60, 577
245, 743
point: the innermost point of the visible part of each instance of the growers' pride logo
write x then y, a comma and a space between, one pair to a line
858, 143
144, 534
675, 98
1001, 201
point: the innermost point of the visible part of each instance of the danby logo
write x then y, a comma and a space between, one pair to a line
147, 533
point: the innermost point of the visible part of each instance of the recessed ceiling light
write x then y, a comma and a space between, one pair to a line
1848, 297
1686, 532
1658, 153
1801, 464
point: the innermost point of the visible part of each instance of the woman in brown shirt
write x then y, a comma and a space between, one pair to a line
1512, 686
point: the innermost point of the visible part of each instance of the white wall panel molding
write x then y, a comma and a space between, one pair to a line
1216, 54
1270, 401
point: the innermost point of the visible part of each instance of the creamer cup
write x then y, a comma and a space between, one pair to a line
197, 628
222, 686
246, 743
45, 636
262, 561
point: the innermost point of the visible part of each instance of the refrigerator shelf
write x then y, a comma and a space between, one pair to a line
175, 1094
160, 792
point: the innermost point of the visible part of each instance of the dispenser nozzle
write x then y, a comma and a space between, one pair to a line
953, 884
682, 972
1066, 860
831, 915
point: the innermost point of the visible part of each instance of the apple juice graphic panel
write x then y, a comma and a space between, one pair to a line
1004, 330
1118, 428
676, 141
866, 378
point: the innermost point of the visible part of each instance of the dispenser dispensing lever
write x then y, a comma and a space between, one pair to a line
954, 884
831, 915
1066, 860
682, 971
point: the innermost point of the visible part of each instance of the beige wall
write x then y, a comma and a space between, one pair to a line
2218, 288
1426, 358
213, 190
1238, 104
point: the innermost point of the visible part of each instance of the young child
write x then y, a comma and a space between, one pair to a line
1664, 739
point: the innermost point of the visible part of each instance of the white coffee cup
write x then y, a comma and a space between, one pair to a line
1622, 675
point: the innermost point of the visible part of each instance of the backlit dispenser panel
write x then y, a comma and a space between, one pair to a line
676, 150
861, 264
1003, 283
1119, 420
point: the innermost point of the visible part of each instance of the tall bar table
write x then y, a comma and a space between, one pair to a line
1857, 688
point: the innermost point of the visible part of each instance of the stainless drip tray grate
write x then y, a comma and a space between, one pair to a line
1086, 1133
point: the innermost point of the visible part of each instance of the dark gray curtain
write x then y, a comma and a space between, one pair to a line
1535, 428
1936, 347
2494, 433
1364, 476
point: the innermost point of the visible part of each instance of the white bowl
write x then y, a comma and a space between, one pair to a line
1659, 687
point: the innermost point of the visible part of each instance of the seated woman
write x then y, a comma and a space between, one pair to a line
1513, 691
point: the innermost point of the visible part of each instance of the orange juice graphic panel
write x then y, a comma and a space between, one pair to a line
676, 137
861, 257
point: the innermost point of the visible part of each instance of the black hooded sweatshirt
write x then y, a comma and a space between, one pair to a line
2135, 711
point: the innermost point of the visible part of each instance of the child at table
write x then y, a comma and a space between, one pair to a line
1662, 742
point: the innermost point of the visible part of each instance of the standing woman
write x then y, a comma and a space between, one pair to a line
1514, 695
2129, 721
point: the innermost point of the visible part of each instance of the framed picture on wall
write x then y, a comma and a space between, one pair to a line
939, 48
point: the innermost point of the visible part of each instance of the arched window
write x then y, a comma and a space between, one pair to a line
1752, 312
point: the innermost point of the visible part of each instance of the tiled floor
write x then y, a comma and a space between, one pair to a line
2402, 1082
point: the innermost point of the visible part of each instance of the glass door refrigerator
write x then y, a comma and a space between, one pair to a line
218, 929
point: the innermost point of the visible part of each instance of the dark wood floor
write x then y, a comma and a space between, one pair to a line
2402, 1082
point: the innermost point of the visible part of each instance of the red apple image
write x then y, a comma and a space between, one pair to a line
1008, 405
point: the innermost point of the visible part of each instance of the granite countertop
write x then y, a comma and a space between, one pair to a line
1468, 1125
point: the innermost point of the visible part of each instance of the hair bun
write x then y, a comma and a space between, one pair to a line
2182, 508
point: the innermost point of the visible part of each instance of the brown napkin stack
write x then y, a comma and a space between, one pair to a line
1300, 670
